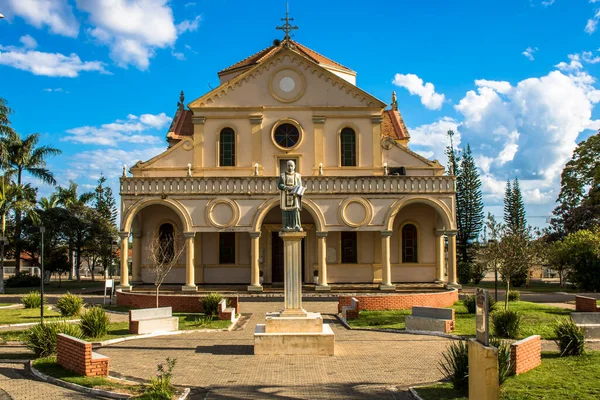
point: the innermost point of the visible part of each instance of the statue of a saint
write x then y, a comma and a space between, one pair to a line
290, 184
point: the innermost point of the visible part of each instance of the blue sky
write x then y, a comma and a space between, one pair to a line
516, 79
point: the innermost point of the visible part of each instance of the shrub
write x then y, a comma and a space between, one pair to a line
464, 272
42, 338
479, 271
455, 364
94, 322
211, 303
571, 338
160, 385
514, 295
69, 305
203, 320
504, 365
506, 323
470, 303
32, 300
24, 279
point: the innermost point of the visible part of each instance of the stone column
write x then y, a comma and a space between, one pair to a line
292, 257
319, 154
386, 266
124, 285
452, 282
255, 285
190, 280
198, 144
322, 258
439, 256
136, 264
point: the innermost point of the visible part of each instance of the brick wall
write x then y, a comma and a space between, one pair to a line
401, 301
179, 302
525, 354
586, 304
76, 355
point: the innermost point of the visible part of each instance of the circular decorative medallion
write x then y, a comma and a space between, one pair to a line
356, 212
287, 84
222, 213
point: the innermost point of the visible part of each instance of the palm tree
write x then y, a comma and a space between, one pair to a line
46, 203
19, 198
68, 198
5, 111
24, 155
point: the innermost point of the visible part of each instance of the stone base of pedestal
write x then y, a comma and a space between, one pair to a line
323, 288
281, 344
192, 288
387, 288
124, 288
453, 286
255, 289
285, 334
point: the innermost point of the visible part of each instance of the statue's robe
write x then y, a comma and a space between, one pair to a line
291, 204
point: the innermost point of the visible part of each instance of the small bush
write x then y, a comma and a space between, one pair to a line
42, 338
464, 272
203, 320
455, 365
24, 279
160, 386
479, 271
504, 365
211, 303
571, 338
470, 303
69, 305
32, 300
94, 322
506, 323
514, 295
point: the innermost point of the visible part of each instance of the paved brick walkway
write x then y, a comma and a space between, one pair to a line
16, 384
367, 364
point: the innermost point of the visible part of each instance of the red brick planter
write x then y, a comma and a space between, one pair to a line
401, 301
179, 302
525, 354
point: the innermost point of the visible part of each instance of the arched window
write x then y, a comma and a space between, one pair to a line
409, 243
227, 148
166, 235
348, 147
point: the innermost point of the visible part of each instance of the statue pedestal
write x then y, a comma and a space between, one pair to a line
293, 331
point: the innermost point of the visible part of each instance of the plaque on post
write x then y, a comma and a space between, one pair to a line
482, 320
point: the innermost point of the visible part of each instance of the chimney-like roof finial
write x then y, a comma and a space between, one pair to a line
180, 104
287, 27
394, 101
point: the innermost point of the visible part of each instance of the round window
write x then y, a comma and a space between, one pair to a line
286, 135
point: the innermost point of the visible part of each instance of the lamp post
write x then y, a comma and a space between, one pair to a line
42, 230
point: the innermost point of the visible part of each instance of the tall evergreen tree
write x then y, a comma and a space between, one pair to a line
520, 219
453, 156
469, 204
508, 205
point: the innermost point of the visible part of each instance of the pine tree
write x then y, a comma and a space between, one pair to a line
519, 217
453, 156
469, 204
508, 205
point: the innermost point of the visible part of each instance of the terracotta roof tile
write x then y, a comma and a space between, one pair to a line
182, 125
257, 58
393, 125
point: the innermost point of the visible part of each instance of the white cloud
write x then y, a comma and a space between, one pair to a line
90, 164
573, 65
179, 56
188, 25
28, 41
56, 14
134, 30
431, 139
592, 23
56, 90
499, 86
529, 51
129, 131
47, 64
190, 4
414, 84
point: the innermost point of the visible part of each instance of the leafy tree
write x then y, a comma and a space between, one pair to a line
578, 254
514, 208
579, 198
469, 205
23, 155
106, 222
517, 255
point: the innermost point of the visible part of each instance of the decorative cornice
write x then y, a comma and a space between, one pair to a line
376, 119
256, 119
318, 119
322, 234
189, 235
386, 233
124, 235
198, 120
254, 235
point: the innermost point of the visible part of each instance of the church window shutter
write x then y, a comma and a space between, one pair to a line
348, 147
227, 148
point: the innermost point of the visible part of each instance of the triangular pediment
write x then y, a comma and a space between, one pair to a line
399, 155
259, 87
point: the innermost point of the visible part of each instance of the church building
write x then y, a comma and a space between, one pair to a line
374, 211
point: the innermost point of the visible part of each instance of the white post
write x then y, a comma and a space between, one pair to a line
292, 254
124, 285
322, 258
254, 263
190, 282
386, 281
439, 256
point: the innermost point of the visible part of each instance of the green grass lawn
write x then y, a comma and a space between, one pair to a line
25, 315
536, 319
534, 286
50, 367
557, 378
6, 304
